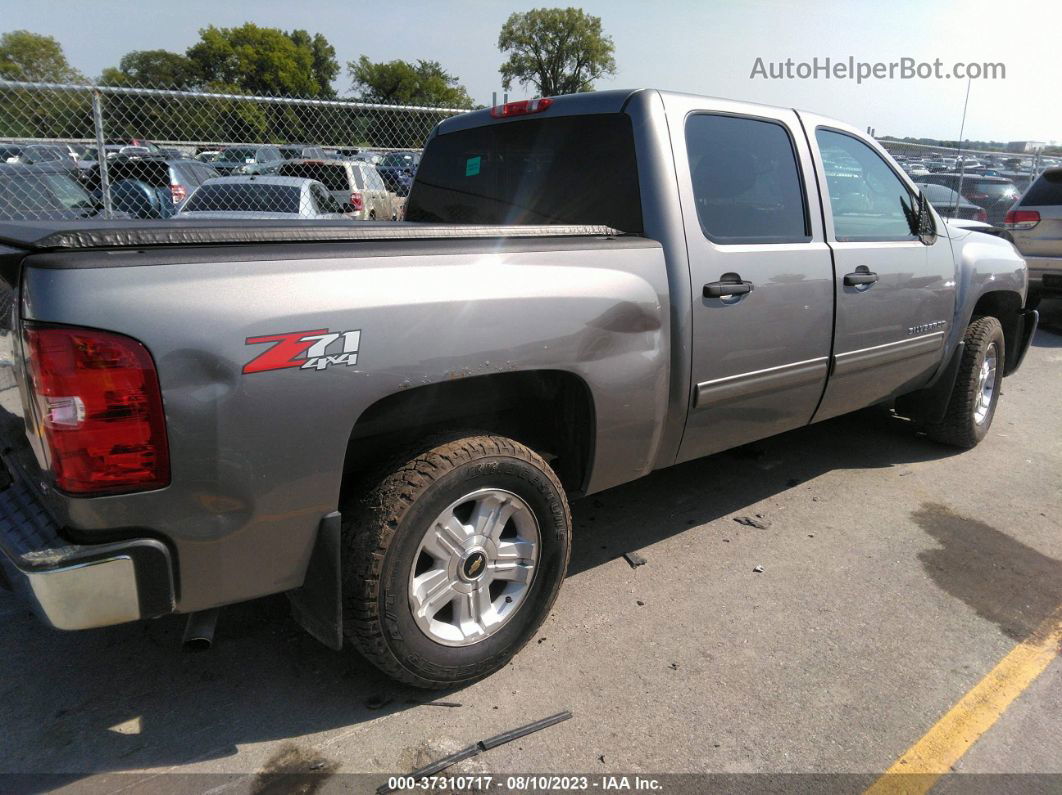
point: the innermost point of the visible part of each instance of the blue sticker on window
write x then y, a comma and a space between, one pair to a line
472, 166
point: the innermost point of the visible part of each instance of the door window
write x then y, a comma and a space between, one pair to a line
746, 184
868, 201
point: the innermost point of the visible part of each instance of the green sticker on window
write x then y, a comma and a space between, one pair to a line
472, 166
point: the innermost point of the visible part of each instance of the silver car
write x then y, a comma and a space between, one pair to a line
1036, 223
261, 197
357, 186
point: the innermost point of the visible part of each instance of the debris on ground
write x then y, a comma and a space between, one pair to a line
481, 746
756, 521
639, 602
673, 666
634, 559
758, 569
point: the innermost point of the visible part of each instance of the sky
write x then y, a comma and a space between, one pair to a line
700, 47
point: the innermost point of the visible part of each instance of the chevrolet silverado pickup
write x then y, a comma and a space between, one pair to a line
386, 421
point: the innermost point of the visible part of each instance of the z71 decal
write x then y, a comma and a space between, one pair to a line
307, 350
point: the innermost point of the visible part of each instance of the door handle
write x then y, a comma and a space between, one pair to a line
729, 284
862, 275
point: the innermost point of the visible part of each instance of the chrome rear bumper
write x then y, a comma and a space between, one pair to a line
79, 586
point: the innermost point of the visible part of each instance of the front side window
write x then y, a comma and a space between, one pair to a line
745, 180
868, 201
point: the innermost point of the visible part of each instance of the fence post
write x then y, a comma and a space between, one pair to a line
101, 151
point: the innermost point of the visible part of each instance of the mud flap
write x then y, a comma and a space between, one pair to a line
929, 404
318, 605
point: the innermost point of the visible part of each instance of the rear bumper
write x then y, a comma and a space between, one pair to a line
1045, 273
78, 586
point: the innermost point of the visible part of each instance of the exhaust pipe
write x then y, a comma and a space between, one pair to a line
199, 631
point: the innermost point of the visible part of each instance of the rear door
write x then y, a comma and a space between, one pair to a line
762, 278
895, 295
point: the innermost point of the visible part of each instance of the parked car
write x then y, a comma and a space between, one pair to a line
995, 194
139, 143
950, 204
150, 187
302, 152
35, 154
263, 159
398, 170
385, 422
29, 192
261, 197
357, 187
1036, 224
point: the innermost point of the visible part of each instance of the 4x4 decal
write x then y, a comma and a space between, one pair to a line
307, 350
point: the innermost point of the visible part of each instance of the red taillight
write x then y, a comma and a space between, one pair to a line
99, 409
357, 202
975, 196
1021, 219
178, 192
520, 108
981, 215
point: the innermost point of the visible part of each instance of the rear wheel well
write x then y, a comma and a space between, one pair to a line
1004, 306
550, 411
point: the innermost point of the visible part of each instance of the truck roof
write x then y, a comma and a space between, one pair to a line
94, 234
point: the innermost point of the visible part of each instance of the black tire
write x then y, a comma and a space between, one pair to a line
383, 531
960, 427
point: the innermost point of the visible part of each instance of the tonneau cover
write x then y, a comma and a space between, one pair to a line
92, 233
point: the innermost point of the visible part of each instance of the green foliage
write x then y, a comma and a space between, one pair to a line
155, 69
265, 60
556, 50
30, 57
404, 83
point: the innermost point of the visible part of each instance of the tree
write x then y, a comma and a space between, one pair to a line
404, 83
154, 68
325, 66
557, 50
30, 57
262, 60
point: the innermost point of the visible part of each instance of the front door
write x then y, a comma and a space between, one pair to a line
895, 295
762, 278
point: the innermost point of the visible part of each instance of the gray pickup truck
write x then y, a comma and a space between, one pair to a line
386, 421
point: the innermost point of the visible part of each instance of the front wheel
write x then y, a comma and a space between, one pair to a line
973, 400
453, 559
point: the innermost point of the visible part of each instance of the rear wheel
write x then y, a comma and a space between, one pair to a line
973, 400
453, 560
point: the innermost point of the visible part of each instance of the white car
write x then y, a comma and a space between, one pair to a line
264, 197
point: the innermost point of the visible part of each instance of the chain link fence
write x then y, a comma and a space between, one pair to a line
82, 150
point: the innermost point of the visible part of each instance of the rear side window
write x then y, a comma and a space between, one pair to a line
868, 201
1045, 191
565, 170
334, 177
745, 180
245, 197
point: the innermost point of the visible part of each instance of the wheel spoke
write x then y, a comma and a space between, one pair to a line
512, 551
445, 538
512, 571
432, 591
491, 514
474, 612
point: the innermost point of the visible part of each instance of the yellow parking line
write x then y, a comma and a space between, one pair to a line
961, 726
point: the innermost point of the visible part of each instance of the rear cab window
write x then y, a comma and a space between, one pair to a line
332, 175
561, 170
